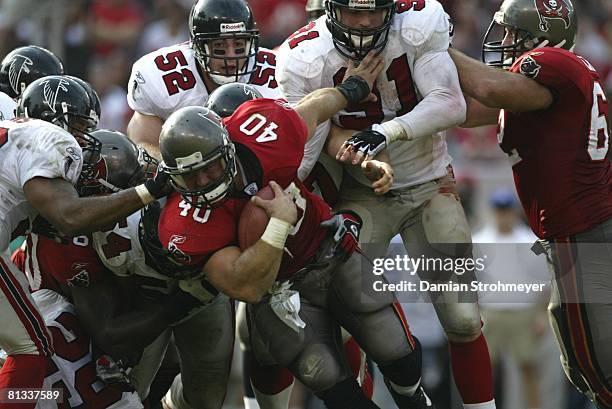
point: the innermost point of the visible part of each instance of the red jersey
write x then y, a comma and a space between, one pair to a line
560, 155
52, 265
193, 234
269, 137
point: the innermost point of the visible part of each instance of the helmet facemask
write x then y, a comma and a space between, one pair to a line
222, 69
356, 43
148, 167
214, 193
497, 54
93, 163
80, 126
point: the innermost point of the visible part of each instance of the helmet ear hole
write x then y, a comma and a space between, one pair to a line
47, 116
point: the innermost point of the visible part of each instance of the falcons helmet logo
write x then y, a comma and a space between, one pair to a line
50, 94
553, 9
20, 64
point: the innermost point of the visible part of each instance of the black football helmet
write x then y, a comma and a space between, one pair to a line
223, 19
227, 98
94, 99
64, 102
314, 9
24, 65
532, 24
122, 165
191, 140
352, 42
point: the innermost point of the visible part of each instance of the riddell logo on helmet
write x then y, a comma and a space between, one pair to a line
553, 9
362, 4
232, 27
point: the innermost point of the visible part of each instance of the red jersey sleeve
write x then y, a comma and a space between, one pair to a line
549, 67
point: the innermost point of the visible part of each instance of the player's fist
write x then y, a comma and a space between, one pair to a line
159, 185
380, 174
281, 206
368, 69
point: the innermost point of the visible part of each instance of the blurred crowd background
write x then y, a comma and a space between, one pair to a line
98, 40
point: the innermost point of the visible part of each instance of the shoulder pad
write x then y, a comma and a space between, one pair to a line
306, 57
417, 25
148, 92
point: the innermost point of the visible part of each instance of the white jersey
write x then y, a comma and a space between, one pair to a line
121, 252
308, 60
7, 107
168, 79
72, 367
28, 149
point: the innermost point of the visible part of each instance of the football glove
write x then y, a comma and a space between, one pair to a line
344, 228
159, 186
369, 143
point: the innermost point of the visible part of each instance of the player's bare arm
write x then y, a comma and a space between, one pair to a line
500, 89
320, 105
479, 114
57, 201
144, 130
247, 275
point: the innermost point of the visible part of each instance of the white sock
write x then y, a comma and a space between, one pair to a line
278, 401
406, 390
250, 403
484, 405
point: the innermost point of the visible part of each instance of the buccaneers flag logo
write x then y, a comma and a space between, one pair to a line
529, 67
551, 9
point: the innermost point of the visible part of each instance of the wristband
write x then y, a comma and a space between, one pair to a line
393, 131
354, 89
276, 233
143, 193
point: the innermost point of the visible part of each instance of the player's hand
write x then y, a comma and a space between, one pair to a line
281, 207
368, 69
159, 185
363, 145
380, 173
